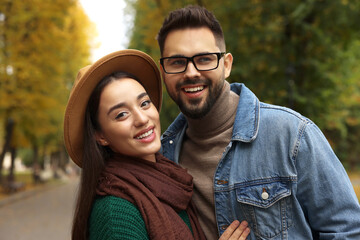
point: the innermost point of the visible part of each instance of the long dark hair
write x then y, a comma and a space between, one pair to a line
94, 159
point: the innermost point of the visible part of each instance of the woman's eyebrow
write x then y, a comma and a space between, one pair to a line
141, 95
119, 105
122, 104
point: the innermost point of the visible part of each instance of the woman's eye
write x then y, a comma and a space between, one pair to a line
145, 103
121, 115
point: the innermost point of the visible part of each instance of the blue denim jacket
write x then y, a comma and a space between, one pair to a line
279, 173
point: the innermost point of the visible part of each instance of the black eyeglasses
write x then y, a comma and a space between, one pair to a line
202, 62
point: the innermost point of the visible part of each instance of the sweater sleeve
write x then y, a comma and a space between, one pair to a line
116, 218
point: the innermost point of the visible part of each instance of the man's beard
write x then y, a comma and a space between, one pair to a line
191, 108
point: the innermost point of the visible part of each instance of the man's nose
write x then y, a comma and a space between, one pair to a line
191, 70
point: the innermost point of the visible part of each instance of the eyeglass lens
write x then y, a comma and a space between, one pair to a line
202, 63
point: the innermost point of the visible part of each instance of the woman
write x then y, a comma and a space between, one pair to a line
112, 131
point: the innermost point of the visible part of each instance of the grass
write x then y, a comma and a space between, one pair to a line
24, 177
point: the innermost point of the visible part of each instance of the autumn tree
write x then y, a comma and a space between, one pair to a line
43, 44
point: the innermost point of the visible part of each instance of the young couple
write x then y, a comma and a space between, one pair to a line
229, 166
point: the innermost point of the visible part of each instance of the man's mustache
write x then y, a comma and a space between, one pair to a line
179, 85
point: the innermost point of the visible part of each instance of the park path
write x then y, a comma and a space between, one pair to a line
42, 215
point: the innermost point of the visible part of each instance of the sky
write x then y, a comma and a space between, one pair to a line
111, 23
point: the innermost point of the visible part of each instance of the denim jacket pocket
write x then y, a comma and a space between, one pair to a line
267, 207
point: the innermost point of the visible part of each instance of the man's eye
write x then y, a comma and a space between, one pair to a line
177, 62
204, 59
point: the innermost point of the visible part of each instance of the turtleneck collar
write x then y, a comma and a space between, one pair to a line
220, 117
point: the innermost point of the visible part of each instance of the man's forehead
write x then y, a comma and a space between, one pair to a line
189, 41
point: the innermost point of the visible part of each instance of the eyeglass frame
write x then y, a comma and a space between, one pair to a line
188, 59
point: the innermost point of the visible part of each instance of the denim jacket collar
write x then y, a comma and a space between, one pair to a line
246, 124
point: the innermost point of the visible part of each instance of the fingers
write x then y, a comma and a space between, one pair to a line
230, 230
243, 231
236, 230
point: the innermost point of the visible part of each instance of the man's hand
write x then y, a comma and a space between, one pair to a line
236, 231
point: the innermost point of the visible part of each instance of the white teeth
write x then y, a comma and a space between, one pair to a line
194, 89
144, 135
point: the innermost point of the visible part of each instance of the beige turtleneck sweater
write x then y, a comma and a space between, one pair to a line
202, 149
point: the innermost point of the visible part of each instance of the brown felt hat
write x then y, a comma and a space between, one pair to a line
131, 61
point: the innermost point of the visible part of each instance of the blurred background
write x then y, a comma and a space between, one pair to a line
301, 54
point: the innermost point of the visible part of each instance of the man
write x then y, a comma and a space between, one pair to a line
250, 161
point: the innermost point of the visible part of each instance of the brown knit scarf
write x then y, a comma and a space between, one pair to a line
160, 190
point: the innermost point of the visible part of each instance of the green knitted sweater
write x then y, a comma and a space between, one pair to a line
116, 218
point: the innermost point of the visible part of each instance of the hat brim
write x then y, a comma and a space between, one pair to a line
131, 61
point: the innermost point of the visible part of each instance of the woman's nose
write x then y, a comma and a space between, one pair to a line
140, 118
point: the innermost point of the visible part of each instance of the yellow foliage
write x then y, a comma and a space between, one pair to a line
45, 43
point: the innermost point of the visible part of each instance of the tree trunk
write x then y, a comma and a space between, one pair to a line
36, 165
9, 131
11, 176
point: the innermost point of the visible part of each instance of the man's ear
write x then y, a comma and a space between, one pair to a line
228, 61
101, 139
